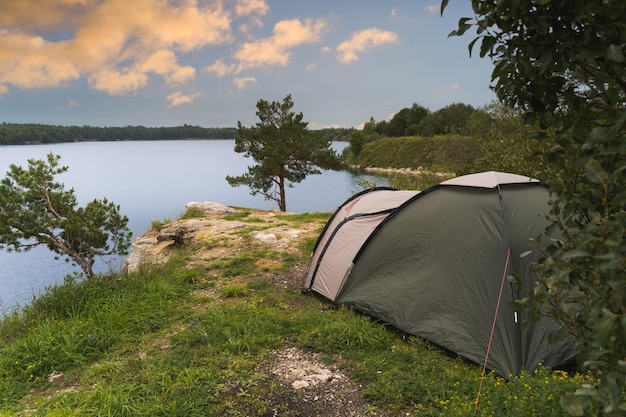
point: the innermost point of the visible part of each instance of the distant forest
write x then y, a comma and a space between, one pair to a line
32, 133
25, 134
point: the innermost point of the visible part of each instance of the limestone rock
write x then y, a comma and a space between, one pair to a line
277, 237
208, 208
154, 247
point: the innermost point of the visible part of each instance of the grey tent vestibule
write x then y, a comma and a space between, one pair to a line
434, 264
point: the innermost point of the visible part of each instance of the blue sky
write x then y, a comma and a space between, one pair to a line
207, 62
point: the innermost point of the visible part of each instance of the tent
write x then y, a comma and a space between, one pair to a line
436, 266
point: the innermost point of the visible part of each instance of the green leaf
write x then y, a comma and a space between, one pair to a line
463, 27
574, 253
594, 172
470, 47
487, 45
613, 239
602, 331
444, 4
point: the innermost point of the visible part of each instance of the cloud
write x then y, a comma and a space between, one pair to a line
274, 51
254, 10
41, 14
311, 67
116, 46
449, 89
248, 7
242, 82
220, 68
362, 41
72, 103
433, 8
116, 82
178, 98
164, 63
29, 61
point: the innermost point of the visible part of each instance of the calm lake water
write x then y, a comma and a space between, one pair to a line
150, 180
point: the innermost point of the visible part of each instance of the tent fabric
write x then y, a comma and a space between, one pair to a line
351, 224
434, 265
490, 179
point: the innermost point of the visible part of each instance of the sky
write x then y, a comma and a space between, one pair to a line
208, 62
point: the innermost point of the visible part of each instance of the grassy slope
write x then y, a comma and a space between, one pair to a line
195, 337
440, 153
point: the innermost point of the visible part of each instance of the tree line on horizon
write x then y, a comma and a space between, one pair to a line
34, 133
409, 121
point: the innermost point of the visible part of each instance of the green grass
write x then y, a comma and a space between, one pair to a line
158, 224
152, 344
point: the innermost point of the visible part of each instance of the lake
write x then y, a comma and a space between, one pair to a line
151, 180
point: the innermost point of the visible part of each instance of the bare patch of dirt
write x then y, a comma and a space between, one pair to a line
310, 388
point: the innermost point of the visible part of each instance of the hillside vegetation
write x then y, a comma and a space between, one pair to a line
491, 139
222, 329
451, 153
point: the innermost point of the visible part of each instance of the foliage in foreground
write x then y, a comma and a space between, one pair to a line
187, 341
576, 93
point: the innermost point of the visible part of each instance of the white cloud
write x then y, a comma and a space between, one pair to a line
311, 67
178, 98
242, 82
362, 41
433, 8
72, 103
274, 51
248, 7
220, 68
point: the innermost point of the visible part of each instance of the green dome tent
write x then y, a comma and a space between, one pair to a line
436, 267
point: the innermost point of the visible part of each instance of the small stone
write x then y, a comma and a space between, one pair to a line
299, 384
56, 378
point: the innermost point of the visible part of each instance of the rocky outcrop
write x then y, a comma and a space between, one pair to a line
155, 246
207, 223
